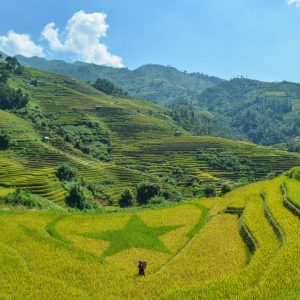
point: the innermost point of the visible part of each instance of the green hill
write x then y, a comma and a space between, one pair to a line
116, 143
244, 245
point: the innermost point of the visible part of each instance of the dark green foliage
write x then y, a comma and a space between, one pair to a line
191, 181
98, 191
210, 190
146, 191
294, 145
171, 194
170, 180
224, 161
109, 88
12, 99
66, 173
4, 74
127, 199
178, 171
226, 187
13, 66
157, 200
79, 198
24, 198
5, 140
188, 114
88, 137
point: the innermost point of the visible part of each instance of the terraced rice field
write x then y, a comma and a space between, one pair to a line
30, 163
160, 156
140, 134
242, 246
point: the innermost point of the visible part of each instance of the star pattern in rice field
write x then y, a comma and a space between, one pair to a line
135, 234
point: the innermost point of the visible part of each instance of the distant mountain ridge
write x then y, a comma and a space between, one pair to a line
153, 82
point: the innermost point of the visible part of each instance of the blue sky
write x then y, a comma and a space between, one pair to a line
254, 38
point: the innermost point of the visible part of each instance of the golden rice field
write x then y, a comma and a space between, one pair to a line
242, 246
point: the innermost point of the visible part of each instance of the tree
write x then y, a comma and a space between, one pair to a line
14, 66
210, 190
109, 87
146, 191
66, 173
5, 140
226, 188
78, 198
4, 73
127, 199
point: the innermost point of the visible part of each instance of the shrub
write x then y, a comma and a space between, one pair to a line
156, 200
66, 173
169, 180
191, 181
226, 188
79, 198
146, 191
271, 175
210, 190
127, 199
171, 194
178, 171
25, 198
295, 173
5, 140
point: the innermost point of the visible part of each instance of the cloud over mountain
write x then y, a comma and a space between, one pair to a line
82, 37
14, 43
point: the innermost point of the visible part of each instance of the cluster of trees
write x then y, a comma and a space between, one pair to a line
199, 121
5, 140
10, 98
89, 138
225, 162
294, 145
80, 196
148, 193
108, 87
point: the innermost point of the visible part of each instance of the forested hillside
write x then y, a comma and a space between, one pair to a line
265, 113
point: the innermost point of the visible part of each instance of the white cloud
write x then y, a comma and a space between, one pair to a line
294, 2
82, 36
14, 43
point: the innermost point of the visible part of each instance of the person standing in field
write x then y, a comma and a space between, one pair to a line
142, 267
